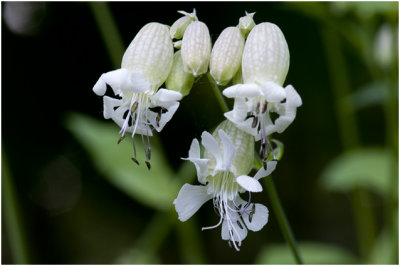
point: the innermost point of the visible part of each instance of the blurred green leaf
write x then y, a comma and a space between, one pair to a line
137, 255
155, 188
382, 252
367, 168
374, 93
312, 253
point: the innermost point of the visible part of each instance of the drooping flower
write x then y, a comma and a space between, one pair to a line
141, 106
223, 174
265, 64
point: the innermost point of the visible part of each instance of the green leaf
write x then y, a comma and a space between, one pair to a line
155, 188
367, 168
312, 253
374, 93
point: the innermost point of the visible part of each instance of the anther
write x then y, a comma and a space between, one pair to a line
250, 115
255, 121
120, 139
148, 165
158, 118
136, 161
253, 210
134, 106
258, 107
265, 107
239, 224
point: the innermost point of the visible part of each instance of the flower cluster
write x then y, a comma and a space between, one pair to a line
252, 61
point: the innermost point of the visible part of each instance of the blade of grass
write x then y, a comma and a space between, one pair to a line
109, 31
12, 217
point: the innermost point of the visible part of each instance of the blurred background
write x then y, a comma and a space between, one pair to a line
71, 195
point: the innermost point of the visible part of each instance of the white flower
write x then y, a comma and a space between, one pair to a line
141, 106
222, 171
265, 63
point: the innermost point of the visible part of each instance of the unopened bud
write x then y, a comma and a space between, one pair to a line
178, 28
246, 23
226, 55
196, 48
179, 80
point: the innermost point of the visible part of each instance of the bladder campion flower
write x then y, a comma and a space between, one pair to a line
142, 106
265, 64
223, 173
196, 48
226, 55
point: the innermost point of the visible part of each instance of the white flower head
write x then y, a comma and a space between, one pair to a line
226, 55
223, 173
265, 64
142, 106
196, 48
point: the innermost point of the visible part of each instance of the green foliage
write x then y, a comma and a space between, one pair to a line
368, 168
312, 253
155, 188
374, 93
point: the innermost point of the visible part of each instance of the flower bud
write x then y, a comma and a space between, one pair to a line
226, 55
265, 55
151, 53
238, 78
196, 48
243, 159
178, 28
246, 23
179, 80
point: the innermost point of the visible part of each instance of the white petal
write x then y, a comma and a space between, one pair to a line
165, 97
165, 117
212, 146
258, 219
242, 90
100, 87
109, 104
229, 149
189, 200
139, 83
273, 92
200, 164
232, 231
119, 80
249, 183
271, 165
293, 99
194, 151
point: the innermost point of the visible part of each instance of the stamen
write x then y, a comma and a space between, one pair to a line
120, 139
258, 107
265, 107
239, 224
134, 106
255, 122
253, 210
148, 165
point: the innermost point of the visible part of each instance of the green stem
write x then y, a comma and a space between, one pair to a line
349, 135
276, 204
218, 94
12, 217
281, 218
109, 31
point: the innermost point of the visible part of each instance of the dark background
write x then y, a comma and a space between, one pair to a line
71, 214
